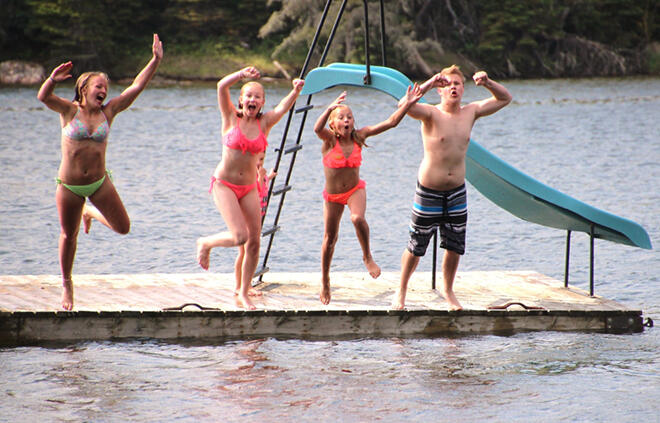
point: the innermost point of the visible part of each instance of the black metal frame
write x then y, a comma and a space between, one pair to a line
592, 236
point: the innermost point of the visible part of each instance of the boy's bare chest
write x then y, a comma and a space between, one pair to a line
450, 127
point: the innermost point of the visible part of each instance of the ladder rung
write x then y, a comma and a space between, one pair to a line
296, 147
281, 189
305, 108
260, 272
270, 230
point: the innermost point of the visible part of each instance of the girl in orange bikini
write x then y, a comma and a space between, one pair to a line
85, 128
234, 182
342, 157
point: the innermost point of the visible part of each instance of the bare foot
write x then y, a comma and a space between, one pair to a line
203, 254
452, 301
325, 293
372, 267
251, 292
245, 302
67, 295
399, 300
86, 220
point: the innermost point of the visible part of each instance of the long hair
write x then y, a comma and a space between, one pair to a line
239, 111
354, 135
82, 81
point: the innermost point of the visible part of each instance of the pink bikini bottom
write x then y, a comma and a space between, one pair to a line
239, 190
342, 198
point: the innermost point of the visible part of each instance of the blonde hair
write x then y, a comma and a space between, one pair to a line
82, 82
354, 135
453, 69
239, 112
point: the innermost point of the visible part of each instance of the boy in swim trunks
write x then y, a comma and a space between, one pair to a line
440, 197
342, 157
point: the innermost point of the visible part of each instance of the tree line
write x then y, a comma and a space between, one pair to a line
509, 38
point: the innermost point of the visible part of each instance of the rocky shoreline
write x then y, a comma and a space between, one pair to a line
21, 73
16, 72
24, 73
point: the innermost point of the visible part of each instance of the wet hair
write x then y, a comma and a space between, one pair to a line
354, 135
453, 69
239, 112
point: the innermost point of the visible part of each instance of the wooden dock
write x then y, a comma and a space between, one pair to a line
125, 306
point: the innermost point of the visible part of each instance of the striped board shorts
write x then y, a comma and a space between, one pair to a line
444, 209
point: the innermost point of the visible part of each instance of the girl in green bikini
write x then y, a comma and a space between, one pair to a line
85, 127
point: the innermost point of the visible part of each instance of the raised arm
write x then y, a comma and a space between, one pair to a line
46, 95
413, 94
227, 108
320, 128
126, 98
272, 117
500, 95
423, 111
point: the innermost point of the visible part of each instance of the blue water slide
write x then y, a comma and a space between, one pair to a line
504, 185
387, 80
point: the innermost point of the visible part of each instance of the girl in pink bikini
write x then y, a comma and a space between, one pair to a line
342, 157
234, 182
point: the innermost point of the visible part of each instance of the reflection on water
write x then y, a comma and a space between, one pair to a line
593, 139
525, 375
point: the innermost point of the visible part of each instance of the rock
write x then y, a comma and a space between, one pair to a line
15, 72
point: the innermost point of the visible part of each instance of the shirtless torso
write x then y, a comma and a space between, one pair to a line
445, 136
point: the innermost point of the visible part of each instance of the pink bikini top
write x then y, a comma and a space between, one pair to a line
236, 140
335, 158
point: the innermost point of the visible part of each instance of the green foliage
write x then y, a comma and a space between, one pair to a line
513, 34
619, 23
96, 34
506, 37
15, 41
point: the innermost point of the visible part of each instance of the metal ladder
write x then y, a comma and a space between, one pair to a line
290, 149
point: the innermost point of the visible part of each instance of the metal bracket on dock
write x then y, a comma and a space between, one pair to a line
512, 303
181, 307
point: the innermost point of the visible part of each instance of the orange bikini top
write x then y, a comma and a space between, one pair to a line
335, 158
237, 140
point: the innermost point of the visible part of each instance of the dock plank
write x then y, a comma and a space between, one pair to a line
125, 305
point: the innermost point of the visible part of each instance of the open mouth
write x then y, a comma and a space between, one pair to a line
100, 97
251, 107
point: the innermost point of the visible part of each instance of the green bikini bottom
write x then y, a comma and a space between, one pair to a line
85, 190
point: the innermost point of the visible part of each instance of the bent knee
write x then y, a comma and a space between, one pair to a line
358, 220
240, 238
330, 238
252, 246
69, 236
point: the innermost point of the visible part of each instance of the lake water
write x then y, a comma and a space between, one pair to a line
594, 139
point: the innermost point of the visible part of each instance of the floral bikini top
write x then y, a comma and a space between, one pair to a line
76, 130
335, 158
238, 141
